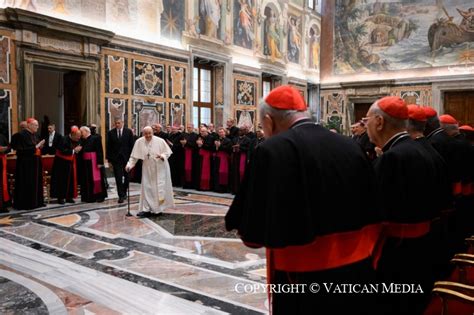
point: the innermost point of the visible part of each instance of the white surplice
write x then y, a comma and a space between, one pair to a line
156, 189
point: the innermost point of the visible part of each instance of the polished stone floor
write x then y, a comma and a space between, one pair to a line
93, 259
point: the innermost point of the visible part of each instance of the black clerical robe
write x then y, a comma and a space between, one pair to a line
239, 158
290, 202
191, 161
64, 174
204, 162
221, 165
92, 186
5, 199
407, 178
176, 160
29, 172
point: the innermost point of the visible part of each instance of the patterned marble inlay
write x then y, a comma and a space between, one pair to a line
148, 113
68, 220
178, 82
177, 114
68, 242
15, 299
205, 198
4, 59
116, 74
194, 225
218, 285
199, 208
148, 79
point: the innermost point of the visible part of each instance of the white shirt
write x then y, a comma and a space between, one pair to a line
50, 140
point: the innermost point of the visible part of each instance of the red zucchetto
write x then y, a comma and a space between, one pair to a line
429, 112
416, 113
74, 129
394, 106
466, 128
286, 97
30, 120
448, 119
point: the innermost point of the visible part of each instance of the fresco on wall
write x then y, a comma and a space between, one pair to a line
271, 33
244, 23
314, 48
210, 17
294, 39
375, 35
172, 19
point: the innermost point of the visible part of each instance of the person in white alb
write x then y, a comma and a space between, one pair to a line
156, 189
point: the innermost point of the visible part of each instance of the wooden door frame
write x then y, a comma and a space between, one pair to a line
61, 62
439, 88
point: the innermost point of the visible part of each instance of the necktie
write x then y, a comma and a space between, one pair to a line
120, 134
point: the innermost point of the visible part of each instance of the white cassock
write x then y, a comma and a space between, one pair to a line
156, 189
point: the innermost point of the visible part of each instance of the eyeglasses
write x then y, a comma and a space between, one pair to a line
366, 119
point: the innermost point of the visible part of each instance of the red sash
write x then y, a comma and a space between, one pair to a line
242, 164
188, 164
71, 158
467, 189
6, 195
457, 188
92, 156
205, 183
38, 152
223, 167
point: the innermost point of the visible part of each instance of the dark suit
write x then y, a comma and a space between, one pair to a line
51, 150
118, 153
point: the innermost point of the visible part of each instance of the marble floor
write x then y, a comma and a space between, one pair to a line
93, 259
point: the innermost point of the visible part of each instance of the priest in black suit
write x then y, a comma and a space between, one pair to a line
119, 147
296, 200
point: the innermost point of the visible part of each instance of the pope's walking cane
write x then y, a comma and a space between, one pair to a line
128, 195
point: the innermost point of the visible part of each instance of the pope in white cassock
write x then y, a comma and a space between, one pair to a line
156, 190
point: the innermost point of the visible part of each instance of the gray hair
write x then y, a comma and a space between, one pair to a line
450, 127
393, 122
87, 129
415, 125
278, 114
147, 128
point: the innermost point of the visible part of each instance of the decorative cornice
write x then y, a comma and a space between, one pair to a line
23, 19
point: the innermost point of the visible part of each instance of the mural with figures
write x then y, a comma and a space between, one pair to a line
272, 34
245, 12
376, 35
210, 16
295, 43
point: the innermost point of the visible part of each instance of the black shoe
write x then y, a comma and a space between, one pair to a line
143, 214
120, 200
61, 201
70, 201
124, 197
100, 200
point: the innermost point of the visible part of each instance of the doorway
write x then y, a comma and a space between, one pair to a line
460, 104
360, 110
59, 98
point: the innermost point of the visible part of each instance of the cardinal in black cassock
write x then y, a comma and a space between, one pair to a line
239, 158
406, 176
176, 159
205, 144
91, 156
296, 201
29, 170
64, 174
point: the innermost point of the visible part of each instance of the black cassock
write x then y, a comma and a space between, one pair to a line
29, 172
239, 161
176, 159
64, 173
92, 185
204, 163
291, 203
221, 166
409, 183
5, 199
190, 161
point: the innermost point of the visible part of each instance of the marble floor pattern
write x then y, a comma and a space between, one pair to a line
93, 259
